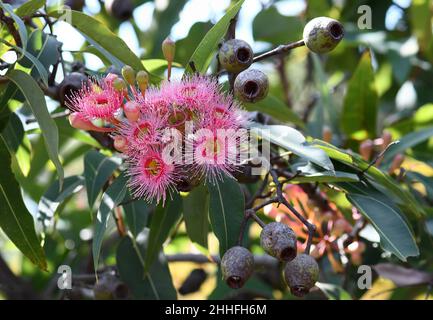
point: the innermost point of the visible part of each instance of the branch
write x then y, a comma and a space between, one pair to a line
281, 199
280, 50
231, 34
9, 22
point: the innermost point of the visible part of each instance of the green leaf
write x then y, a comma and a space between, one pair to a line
157, 65
29, 7
34, 61
226, 212
103, 39
333, 292
36, 100
326, 177
185, 47
407, 142
360, 104
137, 213
21, 27
426, 181
18, 144
277, 109
405, 198
196, 214
163, 221
202, 55
15, 220
97, 169
53, 197
395, 234
111, 198
156, 284
271, 26
292, 140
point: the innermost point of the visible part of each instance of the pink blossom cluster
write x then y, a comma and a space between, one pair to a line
169, 134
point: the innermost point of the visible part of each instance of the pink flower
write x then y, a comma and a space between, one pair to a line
97, 100
143, 133
150, 177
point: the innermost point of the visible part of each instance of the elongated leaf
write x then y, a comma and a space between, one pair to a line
401, 276
36, 100
405, 198
292, 140
16, 222
97, 169
103, 39
21, 27
326, 177
202, 55
53, 197
395, 235
407, 142
163, 221
39, 67
112, 198
196, 215
226, 212
29, 7
360, 103
277, 109
137, 213
333, 292
271, 26
156, 284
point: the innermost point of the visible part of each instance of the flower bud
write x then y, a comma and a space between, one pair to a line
142, 80
301, 274
235, 55
237, 266
327, 134
77, 121
251, 85
323, 34
120, 143
129, 75
366, 149
168, 49
279, 241
132, 111
396, 163
119, 85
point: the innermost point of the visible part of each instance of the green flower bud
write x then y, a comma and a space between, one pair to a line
168, 49
129, 75
301, 274
323, 34
142, 80
237, 266
279, 241
251, 85
235, 55
119, 84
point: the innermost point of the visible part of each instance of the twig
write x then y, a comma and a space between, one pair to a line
280, 50
281, 199
231, 34
9, 22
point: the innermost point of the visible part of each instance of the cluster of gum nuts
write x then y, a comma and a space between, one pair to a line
320, 35
301, 271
